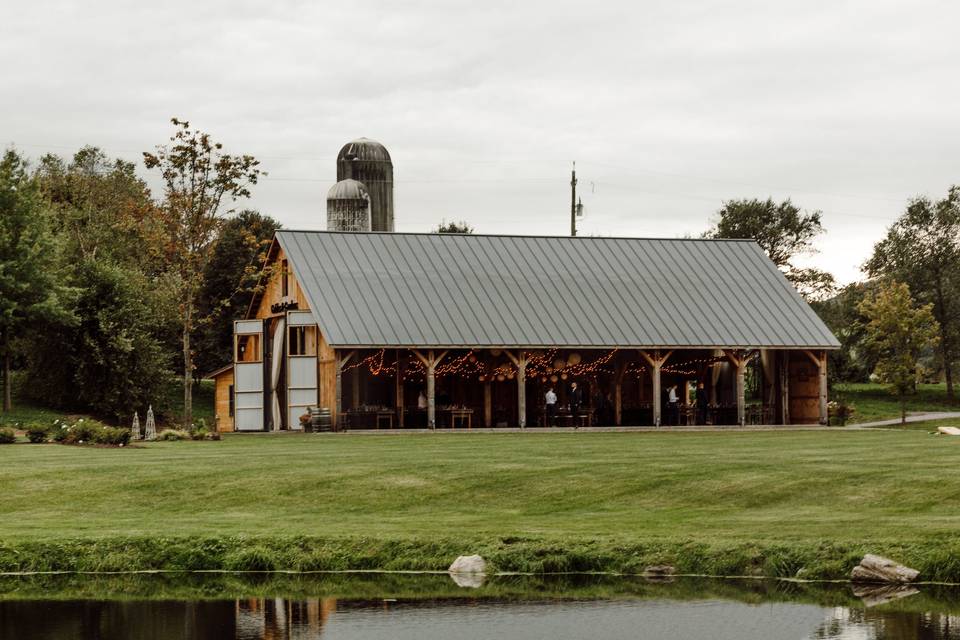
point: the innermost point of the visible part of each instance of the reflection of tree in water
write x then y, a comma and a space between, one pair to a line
878, 624
281, 619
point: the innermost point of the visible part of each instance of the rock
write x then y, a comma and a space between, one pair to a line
875, 568
468, 564
659, 571
468, 580
948, 431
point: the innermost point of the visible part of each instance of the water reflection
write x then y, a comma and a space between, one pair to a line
591, 607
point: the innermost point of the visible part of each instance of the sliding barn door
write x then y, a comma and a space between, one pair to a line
249, 372
301, 365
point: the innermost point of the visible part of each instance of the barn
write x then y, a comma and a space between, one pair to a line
411, 330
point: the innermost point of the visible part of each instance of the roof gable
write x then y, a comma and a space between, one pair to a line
446, 290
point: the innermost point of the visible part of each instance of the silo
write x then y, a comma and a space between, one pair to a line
369, 162
348, 207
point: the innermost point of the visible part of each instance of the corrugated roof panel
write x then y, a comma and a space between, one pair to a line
437, 290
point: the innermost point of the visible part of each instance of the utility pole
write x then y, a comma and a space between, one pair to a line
573, 200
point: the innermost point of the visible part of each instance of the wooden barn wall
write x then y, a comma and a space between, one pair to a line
222, 385
327, 376
274, 291
804, 389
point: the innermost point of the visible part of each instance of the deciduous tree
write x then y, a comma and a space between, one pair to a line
783, 231
453, 227
29, 286
922, 249
898, 333
199, 181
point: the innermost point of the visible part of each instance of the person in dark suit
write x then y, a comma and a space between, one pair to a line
576, 399
701, 403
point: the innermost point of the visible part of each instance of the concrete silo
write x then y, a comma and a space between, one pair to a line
348, 207
368, 161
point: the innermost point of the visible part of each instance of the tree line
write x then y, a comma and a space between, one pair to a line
111, 295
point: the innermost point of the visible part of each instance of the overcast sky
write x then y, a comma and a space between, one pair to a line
669, 108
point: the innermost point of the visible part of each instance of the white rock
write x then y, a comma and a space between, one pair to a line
468, 564
874, 568
949, 431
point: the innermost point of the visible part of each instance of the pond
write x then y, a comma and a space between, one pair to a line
373, 606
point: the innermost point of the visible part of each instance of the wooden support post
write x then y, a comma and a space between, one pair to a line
741, 393
520, 362
824, 408
341, 363
355, 387
784, 359
398, 394
618, 393
656, 362
487, 403
430, 361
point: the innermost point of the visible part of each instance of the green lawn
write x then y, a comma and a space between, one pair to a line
788, 486
874, 402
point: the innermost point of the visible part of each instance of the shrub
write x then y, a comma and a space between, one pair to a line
199, 434
60, 432
112, 435
172, 435
38, 433
7, 435
81, 432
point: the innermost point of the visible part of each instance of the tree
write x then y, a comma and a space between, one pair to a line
453, 227
841, 313
922, 249
29, 288
112, 360
783, 232
198, 177
898, 334
229, 283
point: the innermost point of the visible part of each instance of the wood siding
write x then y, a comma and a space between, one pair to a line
223, 384
273, 292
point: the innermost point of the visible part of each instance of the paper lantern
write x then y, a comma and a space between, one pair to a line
482, 378
559, 363
501, 378
549, 370
510, 375
543, 379
563, 376
574, 359
472, 358
554, 378
495, 352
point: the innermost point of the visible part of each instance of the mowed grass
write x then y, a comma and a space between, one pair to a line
734, 487
875, 402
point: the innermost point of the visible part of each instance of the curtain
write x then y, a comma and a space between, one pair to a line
276, 363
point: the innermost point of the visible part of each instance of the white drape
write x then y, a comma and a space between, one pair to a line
278, 340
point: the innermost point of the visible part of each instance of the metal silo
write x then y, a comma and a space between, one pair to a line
369, 162
348, 207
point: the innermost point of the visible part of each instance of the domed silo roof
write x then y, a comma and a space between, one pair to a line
369, 162
347, 190
364, 149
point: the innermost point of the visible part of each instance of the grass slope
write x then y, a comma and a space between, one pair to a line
716, 502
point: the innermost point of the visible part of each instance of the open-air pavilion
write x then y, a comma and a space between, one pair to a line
393, 330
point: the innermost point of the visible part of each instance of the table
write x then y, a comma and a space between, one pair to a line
464, 415
367, 418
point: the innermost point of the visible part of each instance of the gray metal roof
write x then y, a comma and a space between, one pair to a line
445, 290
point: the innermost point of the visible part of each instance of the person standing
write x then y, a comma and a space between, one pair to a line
701, 403
550, 399
673, 406
576, 400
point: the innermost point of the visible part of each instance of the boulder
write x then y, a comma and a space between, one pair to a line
876, 594
874, 568
468, 564
948, 431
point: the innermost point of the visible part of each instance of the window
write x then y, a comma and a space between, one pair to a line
302, 341
231, 400
248, 348
284, 279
